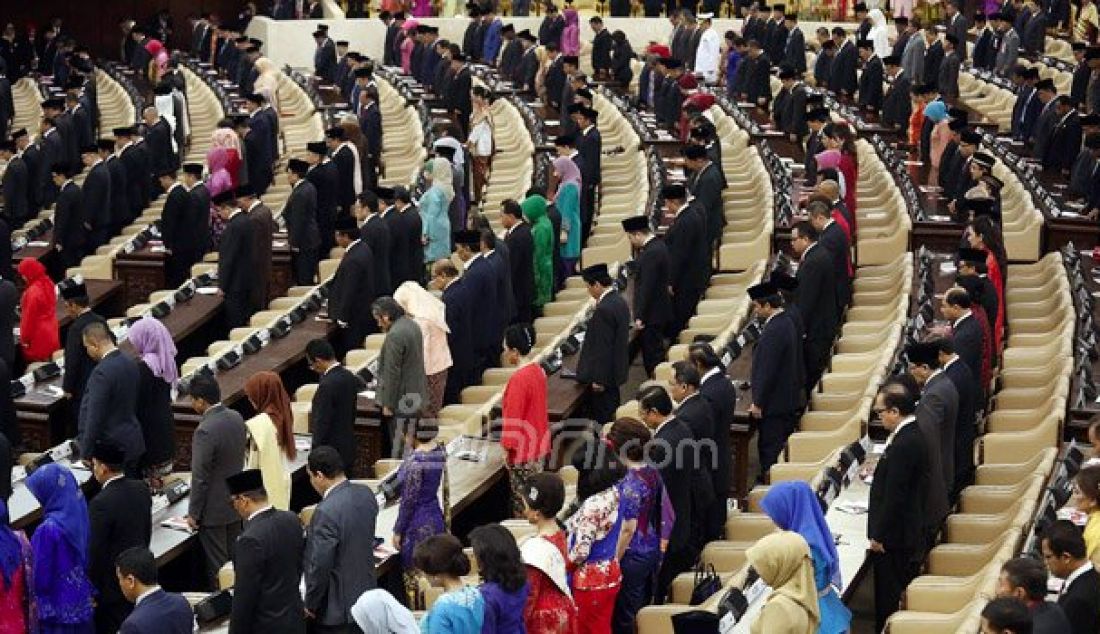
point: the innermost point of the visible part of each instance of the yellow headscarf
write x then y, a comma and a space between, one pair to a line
784, 563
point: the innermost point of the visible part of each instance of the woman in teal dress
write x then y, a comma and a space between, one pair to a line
568, 201
434, 216
461, 608
794, 507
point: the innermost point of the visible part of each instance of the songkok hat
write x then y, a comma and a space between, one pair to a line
245, 482
762, 290
635, 223
74, 291
922, 353
596, 273
108, 453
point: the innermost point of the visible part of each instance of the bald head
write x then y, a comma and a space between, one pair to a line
829, 188
150, 114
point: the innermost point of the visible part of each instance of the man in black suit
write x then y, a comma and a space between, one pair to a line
794, 49
937, 410
481, 282
948, 78
1082, 74
689, 269
97, 196
263, 232
107, 409
324, 56
134, 157
985, 52
78, 363
53, 153
842, 70
459, 307
551, 27
719, 392
196, 232
54, 110
652, 304
325, 177
835, 241
69, 229
870, 81
957, 24
236, 276
158, 142
590, 148
815, 121
15, 186
300, 214
267, 562
376, 235
555, 77
458, 99
1065, 556
370, 123
9, 302
967, 332
528, 66
339, 538
706, 187
966, 431
669, 436
259, 153
791, 116
345, 159
521, 254
407, 229
816, 299
776, 395
601, 48
118, 213
895, 509
174, 219
933, 57
897, 106
698, 414
120, 517
755, 80
38, 171
154, 609
604, 358
217, 448
1065, 136
495, 252
353, 286
332, 414
1025, 579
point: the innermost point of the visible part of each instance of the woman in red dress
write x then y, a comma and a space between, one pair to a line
38, 336
983, 234
15, 564
838, 136
549, 608
525, 436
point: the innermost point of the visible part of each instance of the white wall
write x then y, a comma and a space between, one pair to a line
291, 41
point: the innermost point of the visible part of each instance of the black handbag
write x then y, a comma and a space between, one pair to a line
695, 622
214, 607
706, 584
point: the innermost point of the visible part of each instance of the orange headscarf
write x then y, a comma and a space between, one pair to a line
266, 391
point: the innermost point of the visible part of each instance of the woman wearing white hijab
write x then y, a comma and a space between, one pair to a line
377, 612
430, 314
879, 35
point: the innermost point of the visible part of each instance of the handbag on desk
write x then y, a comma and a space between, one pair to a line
214, 607
706, 584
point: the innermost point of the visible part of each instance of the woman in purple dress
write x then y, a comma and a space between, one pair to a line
419, 515
62, 592
505, 579
647, 517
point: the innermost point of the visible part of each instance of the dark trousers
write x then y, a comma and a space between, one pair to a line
715, 521
588, 210
636, 591
774, 430
238, 309
893, 569
675, 561
652, 341
110, 614
602, 405
304, 264
684, 302
314, 627
816, 355
217, 548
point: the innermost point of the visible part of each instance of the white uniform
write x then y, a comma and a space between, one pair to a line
707, 55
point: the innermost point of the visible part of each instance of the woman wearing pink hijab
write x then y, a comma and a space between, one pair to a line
219, 180
571, 34
158, 65
158, 371
224, 138
408, 44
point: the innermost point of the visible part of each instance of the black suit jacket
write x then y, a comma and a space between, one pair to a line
119, 211
706, 187
158, 141
521, 258
332, 416
836, 243
138, 185
985, 54
933, 59
15, 186
967, 338
78, 365
897, 106
870, 84
895, 514
604, 358
120, 517
670, 436
68, 218
267, 562
652, 303
1081, 603
326, 182
9, 300
174, 219
459, 304
324, 60
345, 168
722, 398
1067, 134
53, 152
601, 51
353, 289
689, 263
842, 70
195, 235
776, 389
108, 409
817, 295
375, 233
98, 196
794, 53
300, 213
235, 260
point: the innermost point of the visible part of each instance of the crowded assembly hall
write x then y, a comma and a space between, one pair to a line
591, 317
